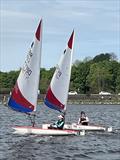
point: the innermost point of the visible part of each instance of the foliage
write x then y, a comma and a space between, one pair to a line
117, 80
99, 78
78, 77
45, 78
104, 57
102, 73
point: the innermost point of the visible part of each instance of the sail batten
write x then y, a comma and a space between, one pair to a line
24, 94
57, 93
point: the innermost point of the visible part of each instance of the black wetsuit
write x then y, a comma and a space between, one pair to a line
83, 119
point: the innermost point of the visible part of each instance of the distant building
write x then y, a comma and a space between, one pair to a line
72, 93
104, 93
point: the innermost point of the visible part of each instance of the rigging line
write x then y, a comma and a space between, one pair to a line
32, 118
28, 114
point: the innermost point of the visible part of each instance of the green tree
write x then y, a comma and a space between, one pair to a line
118, 80
104, 57
99, 78
78, 77
45, 78
114, 69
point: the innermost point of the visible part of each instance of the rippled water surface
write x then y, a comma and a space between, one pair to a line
92, 146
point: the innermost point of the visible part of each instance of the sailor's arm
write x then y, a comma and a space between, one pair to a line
78, 121
86, 120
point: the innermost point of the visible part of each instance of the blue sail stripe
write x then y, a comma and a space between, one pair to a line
18, 107
50, 105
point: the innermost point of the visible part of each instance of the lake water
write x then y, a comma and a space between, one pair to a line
92, 146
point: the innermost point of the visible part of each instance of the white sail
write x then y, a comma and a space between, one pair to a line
57, 94
24, 94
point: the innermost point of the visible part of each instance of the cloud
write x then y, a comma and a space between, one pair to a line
9, 14
96, 24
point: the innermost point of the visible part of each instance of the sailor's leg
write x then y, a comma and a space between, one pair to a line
52, 126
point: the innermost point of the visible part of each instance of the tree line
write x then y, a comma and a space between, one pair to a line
90, 76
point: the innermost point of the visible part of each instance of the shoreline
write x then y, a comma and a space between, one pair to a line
79, 99
93, 99
90, 103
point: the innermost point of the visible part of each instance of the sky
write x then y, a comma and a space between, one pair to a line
96, 24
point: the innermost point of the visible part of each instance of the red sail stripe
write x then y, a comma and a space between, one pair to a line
20, 99
70, 42
53, 100
38, 31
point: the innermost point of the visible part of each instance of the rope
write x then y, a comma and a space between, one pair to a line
32, 118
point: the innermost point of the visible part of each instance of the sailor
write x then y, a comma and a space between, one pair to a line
83, 120
58, 124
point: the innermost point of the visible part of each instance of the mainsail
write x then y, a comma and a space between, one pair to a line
57, 94
24, 94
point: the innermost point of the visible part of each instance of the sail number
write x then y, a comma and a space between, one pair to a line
58, 72
26, 69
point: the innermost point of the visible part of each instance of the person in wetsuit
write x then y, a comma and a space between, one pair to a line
83, 120
58, 124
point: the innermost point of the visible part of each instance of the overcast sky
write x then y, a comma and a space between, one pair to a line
96, 24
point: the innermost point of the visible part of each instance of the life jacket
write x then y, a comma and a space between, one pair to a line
82, 119
60, 124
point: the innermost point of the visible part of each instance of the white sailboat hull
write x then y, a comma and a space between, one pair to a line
84, 127
77, 127
41, 131
89, 127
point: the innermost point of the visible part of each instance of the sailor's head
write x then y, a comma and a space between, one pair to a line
61, 116
82, 113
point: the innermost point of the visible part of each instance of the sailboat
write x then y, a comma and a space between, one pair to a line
57, 93
24, 94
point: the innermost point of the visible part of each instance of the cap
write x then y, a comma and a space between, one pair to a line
60, 116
